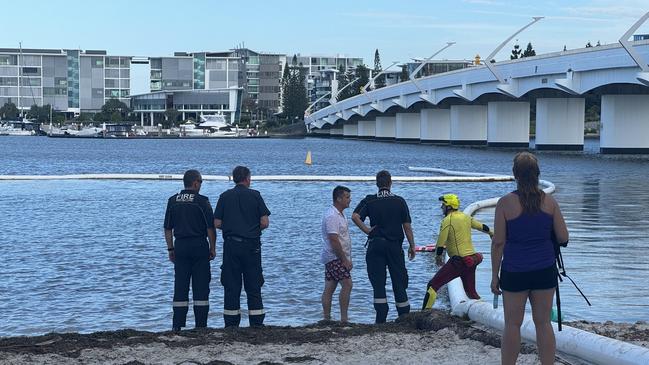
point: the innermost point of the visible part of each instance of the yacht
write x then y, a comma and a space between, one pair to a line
18, 128
210, 126
75, 131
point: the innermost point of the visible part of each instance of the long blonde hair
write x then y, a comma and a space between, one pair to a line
526, 171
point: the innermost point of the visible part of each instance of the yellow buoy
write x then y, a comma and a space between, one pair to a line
308, 158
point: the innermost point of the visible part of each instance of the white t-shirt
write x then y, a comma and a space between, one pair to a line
334, 222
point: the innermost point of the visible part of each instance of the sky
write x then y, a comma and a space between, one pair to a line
400, 30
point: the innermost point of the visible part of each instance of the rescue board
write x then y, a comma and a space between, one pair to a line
427, 248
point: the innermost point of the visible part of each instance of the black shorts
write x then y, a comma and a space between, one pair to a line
529, 280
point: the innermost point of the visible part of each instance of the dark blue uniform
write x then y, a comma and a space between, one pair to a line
387, 213
189, 215
240, 210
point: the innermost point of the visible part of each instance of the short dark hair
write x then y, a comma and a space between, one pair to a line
383, 179
339, 191
240, 173
191, 176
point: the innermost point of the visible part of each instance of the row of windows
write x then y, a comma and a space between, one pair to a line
269, 89
117, 93
8, 59
182, 107
117, 62
270, 75
55, 91
8, 81
118, 73
116, 83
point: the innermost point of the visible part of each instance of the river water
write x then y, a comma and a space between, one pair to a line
90, 255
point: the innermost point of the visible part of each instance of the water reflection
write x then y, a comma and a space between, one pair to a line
90, 255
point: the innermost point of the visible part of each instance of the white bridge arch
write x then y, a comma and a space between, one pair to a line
479, 107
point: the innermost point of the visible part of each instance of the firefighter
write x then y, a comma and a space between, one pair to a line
389, 220
188, 222
241, 215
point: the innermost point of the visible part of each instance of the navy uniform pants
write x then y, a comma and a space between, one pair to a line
242, 259
381, 254
192, 265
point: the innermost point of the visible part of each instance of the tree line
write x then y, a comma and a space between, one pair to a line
113, 110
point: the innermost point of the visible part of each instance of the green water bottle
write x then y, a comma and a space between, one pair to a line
554, 315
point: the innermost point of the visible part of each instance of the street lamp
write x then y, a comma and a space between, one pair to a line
489, 58
364, 89
414, 73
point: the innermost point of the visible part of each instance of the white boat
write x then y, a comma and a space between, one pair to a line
74, 131
211, 126
17, 128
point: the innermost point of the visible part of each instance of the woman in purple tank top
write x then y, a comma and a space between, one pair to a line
523, 261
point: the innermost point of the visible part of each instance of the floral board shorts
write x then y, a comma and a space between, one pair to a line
335, 271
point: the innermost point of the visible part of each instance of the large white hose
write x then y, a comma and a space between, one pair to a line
582, 344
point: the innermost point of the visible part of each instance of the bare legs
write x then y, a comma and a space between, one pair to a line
541, 301
343, 298
514, 308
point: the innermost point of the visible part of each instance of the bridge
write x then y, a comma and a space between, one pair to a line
490, 104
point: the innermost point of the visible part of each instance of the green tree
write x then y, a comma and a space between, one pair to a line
101, 117
58, 118
529, 51
83, 117
589, 45
516, 52
363, 75
404, 74
342, 79
41, 114
301, 100
171, 117
9, 111
113, 106
294, 98
116, 117
380, 81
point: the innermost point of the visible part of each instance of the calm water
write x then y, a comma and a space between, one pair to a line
90, 255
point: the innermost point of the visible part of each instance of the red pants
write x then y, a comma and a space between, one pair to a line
464, 267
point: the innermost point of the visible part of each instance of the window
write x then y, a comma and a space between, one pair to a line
31, 71
8, 81
97, 62
30, 81
156, 63
253, 60
114, 74
125, 73
156, 85
112, 62
8, 59
112, 83
55, 91
156, 74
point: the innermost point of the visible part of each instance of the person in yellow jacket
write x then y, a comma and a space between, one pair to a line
455, 237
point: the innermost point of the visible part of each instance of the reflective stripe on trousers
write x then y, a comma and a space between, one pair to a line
192, 265
242, 265
382, 254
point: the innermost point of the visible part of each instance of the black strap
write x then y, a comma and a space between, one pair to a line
561, 272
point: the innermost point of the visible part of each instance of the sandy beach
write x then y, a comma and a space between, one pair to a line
419, 338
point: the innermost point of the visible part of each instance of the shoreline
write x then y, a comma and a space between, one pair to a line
415, 338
